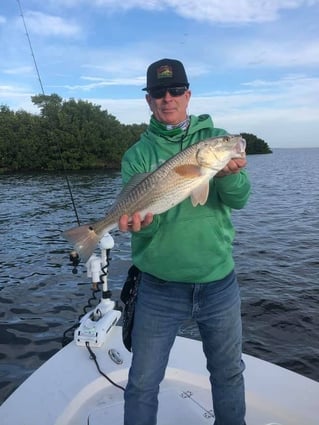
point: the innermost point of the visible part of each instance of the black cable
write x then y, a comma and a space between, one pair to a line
89, 302
65, 338
93, 357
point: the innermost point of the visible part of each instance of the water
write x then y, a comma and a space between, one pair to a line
276, 252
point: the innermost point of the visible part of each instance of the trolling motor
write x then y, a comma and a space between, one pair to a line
96, 324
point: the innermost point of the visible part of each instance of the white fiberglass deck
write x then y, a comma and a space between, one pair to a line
68, 390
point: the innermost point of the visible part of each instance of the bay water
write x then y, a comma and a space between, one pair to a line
276, 254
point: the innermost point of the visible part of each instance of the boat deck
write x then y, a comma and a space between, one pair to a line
68, 390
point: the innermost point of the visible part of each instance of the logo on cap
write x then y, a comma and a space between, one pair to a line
164, 71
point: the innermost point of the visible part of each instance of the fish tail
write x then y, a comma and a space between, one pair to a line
84, 239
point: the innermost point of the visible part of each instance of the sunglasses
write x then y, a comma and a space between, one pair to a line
160, 92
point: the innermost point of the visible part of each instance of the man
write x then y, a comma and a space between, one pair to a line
185, 259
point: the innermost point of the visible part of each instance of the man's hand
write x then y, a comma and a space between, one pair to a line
233, 167
135, 224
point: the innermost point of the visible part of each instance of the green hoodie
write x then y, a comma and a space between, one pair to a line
186, 243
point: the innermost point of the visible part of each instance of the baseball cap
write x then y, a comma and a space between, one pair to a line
166, 73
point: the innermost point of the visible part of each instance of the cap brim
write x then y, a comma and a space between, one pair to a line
167, 85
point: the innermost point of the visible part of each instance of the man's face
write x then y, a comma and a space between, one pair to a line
169, 109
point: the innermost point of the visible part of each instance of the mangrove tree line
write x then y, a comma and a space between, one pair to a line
71, 134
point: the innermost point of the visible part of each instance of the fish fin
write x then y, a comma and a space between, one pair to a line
200, 194
84, 240
135, 180
188, 170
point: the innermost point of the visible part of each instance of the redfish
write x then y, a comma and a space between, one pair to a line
186, 174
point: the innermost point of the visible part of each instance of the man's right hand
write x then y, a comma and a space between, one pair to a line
135, 223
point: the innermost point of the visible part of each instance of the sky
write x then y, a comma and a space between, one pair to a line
253, 65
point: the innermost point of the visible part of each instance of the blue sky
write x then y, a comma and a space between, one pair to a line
252, 64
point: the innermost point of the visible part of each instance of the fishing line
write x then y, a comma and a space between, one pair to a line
66, 339
43, 92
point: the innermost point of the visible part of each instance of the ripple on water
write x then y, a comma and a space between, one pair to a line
276, 253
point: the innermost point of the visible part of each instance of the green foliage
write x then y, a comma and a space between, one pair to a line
71, 134
255, 145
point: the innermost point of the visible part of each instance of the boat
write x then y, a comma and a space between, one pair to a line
84, 382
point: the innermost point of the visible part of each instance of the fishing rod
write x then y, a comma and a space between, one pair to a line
43, 92
92, 329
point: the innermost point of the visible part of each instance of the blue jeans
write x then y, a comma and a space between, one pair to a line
161, 308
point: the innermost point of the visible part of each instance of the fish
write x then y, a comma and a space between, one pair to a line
186, 174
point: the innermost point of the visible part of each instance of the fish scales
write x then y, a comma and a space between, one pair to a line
185, 174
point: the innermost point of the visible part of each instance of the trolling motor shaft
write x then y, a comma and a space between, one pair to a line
96, 324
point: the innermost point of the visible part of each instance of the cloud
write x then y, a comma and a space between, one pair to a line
2, 19
255, 78
282, 112
227, 11
19, 96
270, 124
22, 70
281, 53
234, 11
289, 92
97, 82
48, 25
